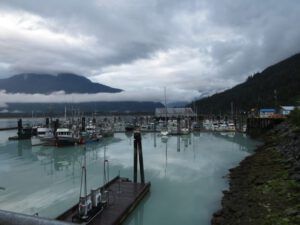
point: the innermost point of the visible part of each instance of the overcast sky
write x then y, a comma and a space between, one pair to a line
193, 48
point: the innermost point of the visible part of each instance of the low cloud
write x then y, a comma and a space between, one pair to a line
150, 94
191, 47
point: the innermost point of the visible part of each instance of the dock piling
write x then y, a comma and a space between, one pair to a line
138, 156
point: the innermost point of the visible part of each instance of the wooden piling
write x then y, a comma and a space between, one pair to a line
135, 158
138, 157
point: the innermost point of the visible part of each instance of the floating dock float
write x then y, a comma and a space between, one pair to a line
112, 203
123, 197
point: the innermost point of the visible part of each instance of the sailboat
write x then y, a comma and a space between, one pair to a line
164, 131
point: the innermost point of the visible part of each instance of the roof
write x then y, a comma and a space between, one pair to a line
267, 110
63, 130
160, 112
288, 108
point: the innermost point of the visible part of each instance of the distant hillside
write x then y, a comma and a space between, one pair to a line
277, 85
44, 83
59, 108
178, 104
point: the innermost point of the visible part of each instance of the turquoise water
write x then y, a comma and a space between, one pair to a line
186, 174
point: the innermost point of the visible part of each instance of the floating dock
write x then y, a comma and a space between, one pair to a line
123, 196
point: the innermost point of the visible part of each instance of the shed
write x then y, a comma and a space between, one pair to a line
265, 113
286, 110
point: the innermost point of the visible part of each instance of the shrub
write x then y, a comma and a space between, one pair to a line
295, 117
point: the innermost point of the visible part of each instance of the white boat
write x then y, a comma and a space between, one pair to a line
92, 133
64, 137
43, 134
244, 128
185, 130
231, 127
164, 132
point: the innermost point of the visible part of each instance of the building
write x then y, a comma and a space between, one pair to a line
286, 110
265, 113
174, 113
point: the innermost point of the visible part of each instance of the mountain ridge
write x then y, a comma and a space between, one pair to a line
32, 83
276, 85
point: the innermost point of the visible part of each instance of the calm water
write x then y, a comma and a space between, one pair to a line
185, 173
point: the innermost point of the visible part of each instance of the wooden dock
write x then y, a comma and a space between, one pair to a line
124, 196
8, 128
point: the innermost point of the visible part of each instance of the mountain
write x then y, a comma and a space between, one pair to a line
32, 83
277, 85
87, 107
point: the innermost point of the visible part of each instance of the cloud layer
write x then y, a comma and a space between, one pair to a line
193, 48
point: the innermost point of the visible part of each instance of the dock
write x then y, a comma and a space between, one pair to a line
8, 128
123, 197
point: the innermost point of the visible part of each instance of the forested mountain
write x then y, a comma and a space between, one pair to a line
32, 83
277, 85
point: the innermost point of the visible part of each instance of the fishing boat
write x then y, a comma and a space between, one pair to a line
64, 137
129, 127
44, 134
92, 133
231, 126
185, 131
164, 131
107, 131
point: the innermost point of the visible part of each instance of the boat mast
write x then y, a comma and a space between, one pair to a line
65, 113
166, 110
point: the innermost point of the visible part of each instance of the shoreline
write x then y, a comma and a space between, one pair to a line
265, 187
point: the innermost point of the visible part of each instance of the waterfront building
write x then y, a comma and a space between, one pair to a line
286, 110
266, 113
175, 113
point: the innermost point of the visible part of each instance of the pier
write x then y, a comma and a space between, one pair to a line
123, 197
256, 126
118, 197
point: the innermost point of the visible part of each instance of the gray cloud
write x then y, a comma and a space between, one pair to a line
192, 47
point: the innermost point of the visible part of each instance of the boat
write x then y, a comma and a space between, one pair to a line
244, 128
185, 131
64, 137
196, 126
164, 132
107, 132
91, 134
129, 127
231, 127
106, 129
44, 134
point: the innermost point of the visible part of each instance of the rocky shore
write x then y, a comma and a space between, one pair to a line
265, 188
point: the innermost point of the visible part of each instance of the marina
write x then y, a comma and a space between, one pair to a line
175, 165
149, 113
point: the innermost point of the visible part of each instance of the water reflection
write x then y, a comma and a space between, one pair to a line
241, 139
69, 159
46, 179
138, 217
178, 143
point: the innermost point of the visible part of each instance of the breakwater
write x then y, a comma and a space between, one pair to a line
265, 187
